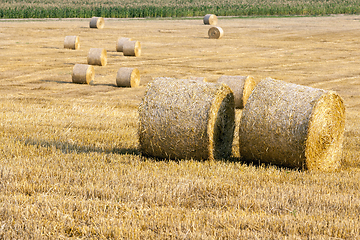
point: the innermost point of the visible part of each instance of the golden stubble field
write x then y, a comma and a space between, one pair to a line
70, 165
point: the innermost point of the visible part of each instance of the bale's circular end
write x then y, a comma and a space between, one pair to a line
128, 77
97, 22
72, 42
183, 119
97, 56
221, 123
249, 86
83, 73
242, 86
132, 48
120, 43
210, 19
215, 32
326, 133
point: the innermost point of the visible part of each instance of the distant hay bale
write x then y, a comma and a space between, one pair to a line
97, 22
293, 126
120, 43
83, 73
242, 86
97, 56
210, 19
132, 48
215, 32
128, 77
183, 119
72, 42
201, 79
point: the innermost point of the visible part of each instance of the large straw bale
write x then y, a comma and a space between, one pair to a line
242, 86
293, 126
210, 19
120, 43
97, 22
215, 32
128, 77
97, 56
183, 119
83, 73
132, 48
72, 42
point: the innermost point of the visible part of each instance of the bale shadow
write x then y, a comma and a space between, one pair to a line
106, 84
256, 164
68, 148
53, 81
50, 47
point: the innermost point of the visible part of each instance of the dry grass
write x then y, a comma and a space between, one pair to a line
69, 160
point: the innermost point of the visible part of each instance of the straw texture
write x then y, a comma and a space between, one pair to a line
200, 79
83, 73
120, 43
242, 86
183, 119
72, 42
97, 22
210, 19
293, 126
128, 77
215, 32
97, 56
132, 48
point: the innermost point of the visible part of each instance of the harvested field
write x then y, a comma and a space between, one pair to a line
70, 164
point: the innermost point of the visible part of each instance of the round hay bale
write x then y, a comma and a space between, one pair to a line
210, 19
215, 32
83, 73
97, 56
72, 42
120, 43
132, 48
293, 126
242, 86
128, 77
183, 119
97, 22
